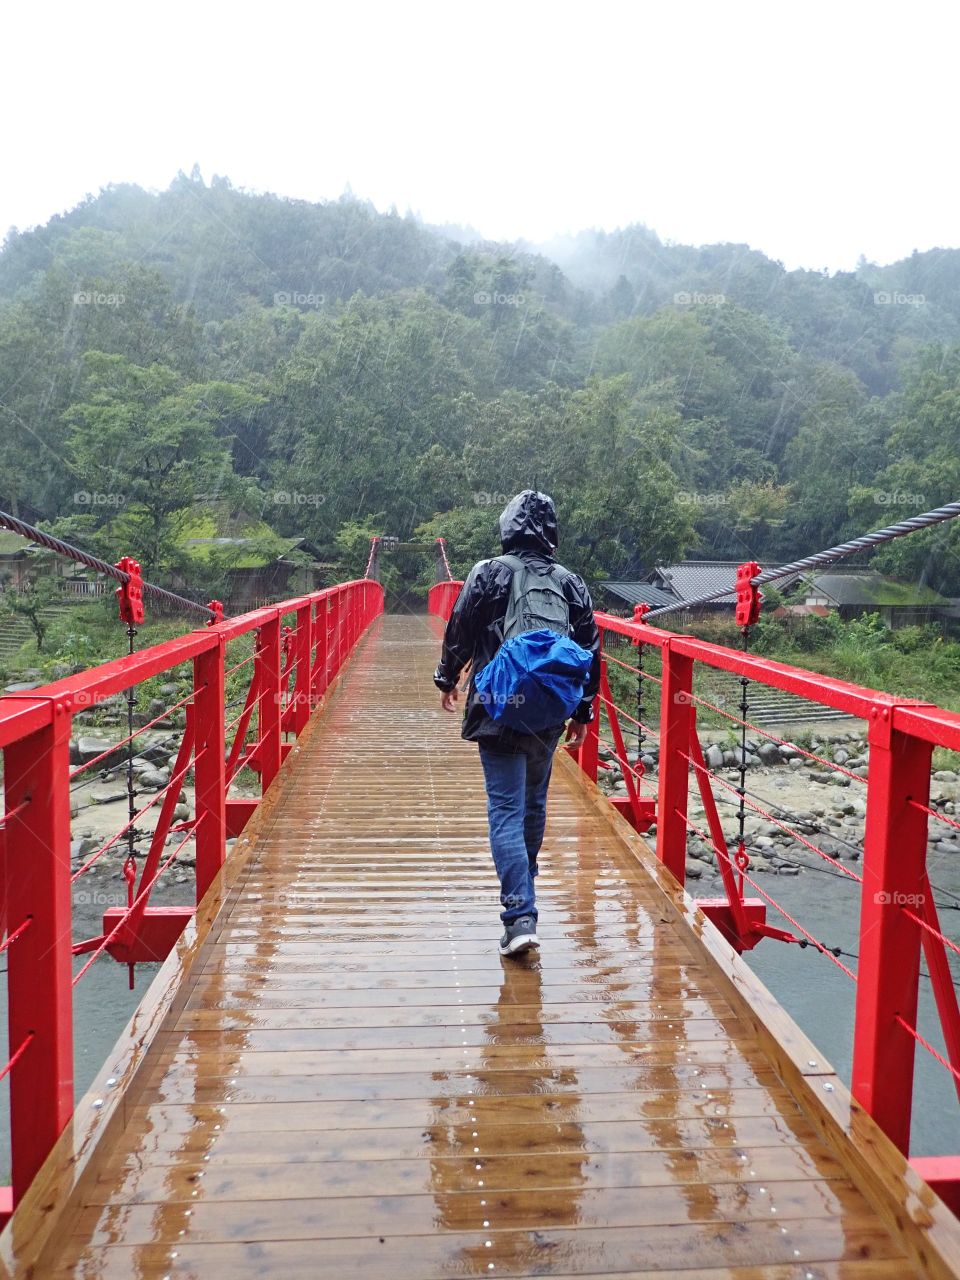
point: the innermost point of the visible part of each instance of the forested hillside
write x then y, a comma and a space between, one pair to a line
326, 369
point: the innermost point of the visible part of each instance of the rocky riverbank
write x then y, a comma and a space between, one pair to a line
99, 801
794, 791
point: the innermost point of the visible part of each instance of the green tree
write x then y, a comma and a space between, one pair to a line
146, 446
30, 603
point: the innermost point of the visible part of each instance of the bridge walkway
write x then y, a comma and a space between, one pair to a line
348, 1080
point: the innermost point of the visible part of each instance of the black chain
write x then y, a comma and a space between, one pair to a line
640, 708
132, 834
742, 788
131, 794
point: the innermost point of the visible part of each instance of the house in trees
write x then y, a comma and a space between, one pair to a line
852, 592
17, 561
246, 563
849, 592
23, 563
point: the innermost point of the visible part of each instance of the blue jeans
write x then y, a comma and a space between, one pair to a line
517, 812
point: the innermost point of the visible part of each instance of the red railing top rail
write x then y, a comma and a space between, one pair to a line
21, 714
924, 720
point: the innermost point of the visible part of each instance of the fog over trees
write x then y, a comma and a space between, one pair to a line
325, 368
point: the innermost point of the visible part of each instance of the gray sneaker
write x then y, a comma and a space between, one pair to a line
519, 935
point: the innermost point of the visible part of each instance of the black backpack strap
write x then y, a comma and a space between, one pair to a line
513, 563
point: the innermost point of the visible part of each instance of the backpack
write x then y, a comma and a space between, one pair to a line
536, 678
536, 601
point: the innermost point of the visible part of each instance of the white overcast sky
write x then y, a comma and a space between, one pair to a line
813, 131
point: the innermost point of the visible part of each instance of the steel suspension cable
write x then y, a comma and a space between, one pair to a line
374, 545
912, 525
62, 548
442, 542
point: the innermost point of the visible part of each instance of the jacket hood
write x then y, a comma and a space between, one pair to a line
529, 521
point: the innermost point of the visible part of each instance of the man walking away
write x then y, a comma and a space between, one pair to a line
517, 763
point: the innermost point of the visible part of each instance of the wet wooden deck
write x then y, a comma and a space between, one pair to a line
348, 1080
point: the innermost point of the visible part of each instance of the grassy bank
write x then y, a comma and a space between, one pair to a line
916, 662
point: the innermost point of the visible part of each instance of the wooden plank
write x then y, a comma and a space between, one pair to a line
688, 1246
351, 1217
235, 1062
632, 1013
166, 1124
176, 1086
672, 1166
344, 991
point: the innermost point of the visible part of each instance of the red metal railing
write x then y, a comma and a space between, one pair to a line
441, 597
898, 914
290, 668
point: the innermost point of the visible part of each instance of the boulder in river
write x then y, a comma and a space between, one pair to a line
155, 752
89, 747
154, 779
713, 757
106, 795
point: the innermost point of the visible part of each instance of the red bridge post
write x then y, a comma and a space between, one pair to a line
39, 970
894, 878
588, 755
210, 764
318, 684
270, 661
303, 646
332, 621
676, 729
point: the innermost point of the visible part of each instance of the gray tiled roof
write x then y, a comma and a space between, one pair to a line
639, 593
694, 578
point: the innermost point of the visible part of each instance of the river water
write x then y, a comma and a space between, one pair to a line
102, 1000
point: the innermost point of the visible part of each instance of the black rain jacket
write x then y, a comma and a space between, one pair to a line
528, 529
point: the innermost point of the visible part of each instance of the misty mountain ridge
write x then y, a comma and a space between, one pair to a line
381, 374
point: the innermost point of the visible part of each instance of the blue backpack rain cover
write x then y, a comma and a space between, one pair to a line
534, 680
537, 676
